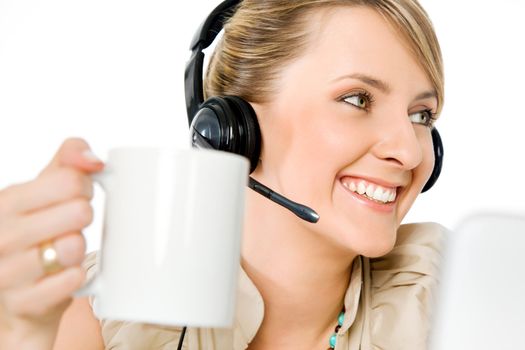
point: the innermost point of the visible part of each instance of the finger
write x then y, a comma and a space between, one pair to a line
25, 268
46, 297
29, 230
49, 189
74, 152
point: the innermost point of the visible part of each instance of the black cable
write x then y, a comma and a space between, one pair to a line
181, 339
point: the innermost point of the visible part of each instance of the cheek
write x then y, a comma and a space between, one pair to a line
420, 177
422, 171
276, 135
326, 136
427, 166
303, 148
291, 134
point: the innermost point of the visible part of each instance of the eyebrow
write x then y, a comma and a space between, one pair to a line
383, 86
426, 94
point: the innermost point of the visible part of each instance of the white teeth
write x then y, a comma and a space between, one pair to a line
378, 194
386, 196
375, 192
392, 197
370, 191
361, 189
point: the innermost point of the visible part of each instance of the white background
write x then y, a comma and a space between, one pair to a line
112, 72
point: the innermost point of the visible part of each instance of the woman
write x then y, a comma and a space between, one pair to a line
346, 94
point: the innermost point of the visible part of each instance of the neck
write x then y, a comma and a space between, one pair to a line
301, 275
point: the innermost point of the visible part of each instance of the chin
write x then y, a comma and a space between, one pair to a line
371, 245
377, 248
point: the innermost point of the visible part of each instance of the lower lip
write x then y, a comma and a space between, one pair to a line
384, 208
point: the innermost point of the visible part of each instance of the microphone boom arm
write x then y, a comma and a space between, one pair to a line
300, 210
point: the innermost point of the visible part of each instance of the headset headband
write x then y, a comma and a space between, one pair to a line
206, 33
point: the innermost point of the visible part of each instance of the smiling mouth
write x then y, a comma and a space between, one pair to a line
371, 191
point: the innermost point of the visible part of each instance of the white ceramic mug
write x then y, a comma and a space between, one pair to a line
170, 249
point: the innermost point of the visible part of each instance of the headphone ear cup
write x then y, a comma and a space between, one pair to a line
209, 127
438, 160
229, 124
247, 132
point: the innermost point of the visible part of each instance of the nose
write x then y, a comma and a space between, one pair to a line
398, 143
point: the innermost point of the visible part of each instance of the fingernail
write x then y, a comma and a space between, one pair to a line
91, 157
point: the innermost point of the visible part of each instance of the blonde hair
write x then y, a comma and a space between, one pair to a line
257, 42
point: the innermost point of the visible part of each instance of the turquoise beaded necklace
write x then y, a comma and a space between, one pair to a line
333, 338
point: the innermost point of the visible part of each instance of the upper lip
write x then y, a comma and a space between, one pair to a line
380, 182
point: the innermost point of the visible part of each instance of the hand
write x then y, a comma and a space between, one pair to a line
54, 208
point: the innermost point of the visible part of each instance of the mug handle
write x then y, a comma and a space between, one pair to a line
94, 285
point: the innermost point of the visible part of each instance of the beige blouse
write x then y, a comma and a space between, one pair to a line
388, 303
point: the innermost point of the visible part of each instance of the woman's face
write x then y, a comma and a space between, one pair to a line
349, 116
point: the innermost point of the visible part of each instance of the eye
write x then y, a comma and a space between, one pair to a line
425, 117
362, 100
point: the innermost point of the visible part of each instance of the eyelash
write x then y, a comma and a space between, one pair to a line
431, 116
368, 97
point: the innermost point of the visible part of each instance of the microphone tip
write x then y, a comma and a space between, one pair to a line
308, 214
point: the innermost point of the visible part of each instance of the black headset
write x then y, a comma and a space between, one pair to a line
229, 123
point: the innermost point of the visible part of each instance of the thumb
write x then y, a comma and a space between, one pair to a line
76, 153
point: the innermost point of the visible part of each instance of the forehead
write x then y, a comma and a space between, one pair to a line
350, 39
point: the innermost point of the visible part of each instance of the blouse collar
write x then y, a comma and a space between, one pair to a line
250, 305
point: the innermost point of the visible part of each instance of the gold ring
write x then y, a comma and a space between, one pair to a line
49, 258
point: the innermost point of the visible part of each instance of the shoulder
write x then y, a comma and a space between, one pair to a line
428, 234
417, 252
402, 287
